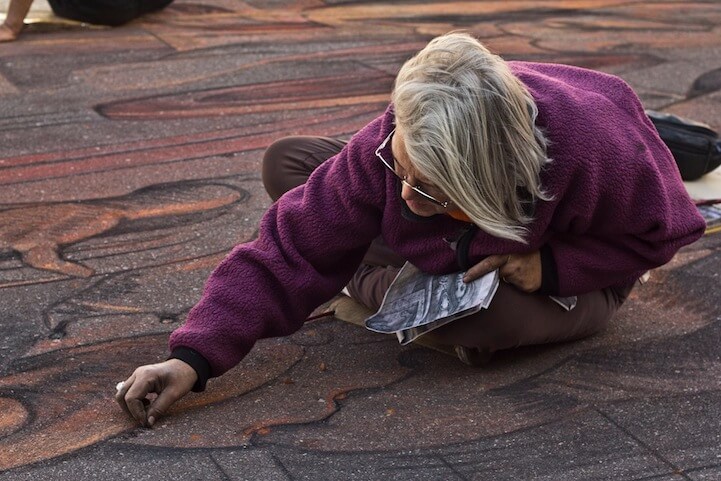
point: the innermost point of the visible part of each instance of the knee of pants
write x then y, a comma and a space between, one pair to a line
531, 332
475, 331
497, 332
273, 169
497, 336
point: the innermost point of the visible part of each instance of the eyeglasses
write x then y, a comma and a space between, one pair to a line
403, 178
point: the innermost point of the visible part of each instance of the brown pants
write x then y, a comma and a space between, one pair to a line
513, 319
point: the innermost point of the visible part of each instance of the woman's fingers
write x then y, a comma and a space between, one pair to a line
132, 393
146, 381
121, 390
521, 270
489, 264
162, 403
170, 380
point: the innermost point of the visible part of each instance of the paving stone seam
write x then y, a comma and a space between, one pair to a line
675, 469
225, 475
451, 468
281, 466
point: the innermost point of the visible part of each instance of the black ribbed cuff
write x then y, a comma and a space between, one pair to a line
549, 272
197, 362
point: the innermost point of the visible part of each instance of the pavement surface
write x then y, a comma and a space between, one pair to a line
129, 165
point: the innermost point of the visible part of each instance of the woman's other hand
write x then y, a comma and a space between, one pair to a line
170, 380
521, 270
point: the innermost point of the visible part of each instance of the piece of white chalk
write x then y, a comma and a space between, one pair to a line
119, 386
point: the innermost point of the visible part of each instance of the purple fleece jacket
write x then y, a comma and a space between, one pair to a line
619, 209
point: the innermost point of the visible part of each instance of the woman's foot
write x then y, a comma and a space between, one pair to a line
473, 356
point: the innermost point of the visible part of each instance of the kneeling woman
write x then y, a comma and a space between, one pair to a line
551, 174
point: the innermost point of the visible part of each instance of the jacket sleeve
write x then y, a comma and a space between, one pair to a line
619, 207
614, 224
310, 243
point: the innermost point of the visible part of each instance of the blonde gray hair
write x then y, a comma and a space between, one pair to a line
468, 126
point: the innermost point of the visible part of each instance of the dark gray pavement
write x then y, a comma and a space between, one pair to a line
129, 165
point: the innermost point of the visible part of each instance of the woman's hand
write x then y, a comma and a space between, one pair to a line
521, 270
170, 380
7, 34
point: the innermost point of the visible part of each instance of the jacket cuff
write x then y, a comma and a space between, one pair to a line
197, 362
549, 272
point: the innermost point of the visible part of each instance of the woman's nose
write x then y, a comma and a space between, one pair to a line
407, 193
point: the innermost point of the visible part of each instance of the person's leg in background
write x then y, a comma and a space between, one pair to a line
14, 20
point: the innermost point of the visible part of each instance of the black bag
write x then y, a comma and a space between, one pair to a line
695, 146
